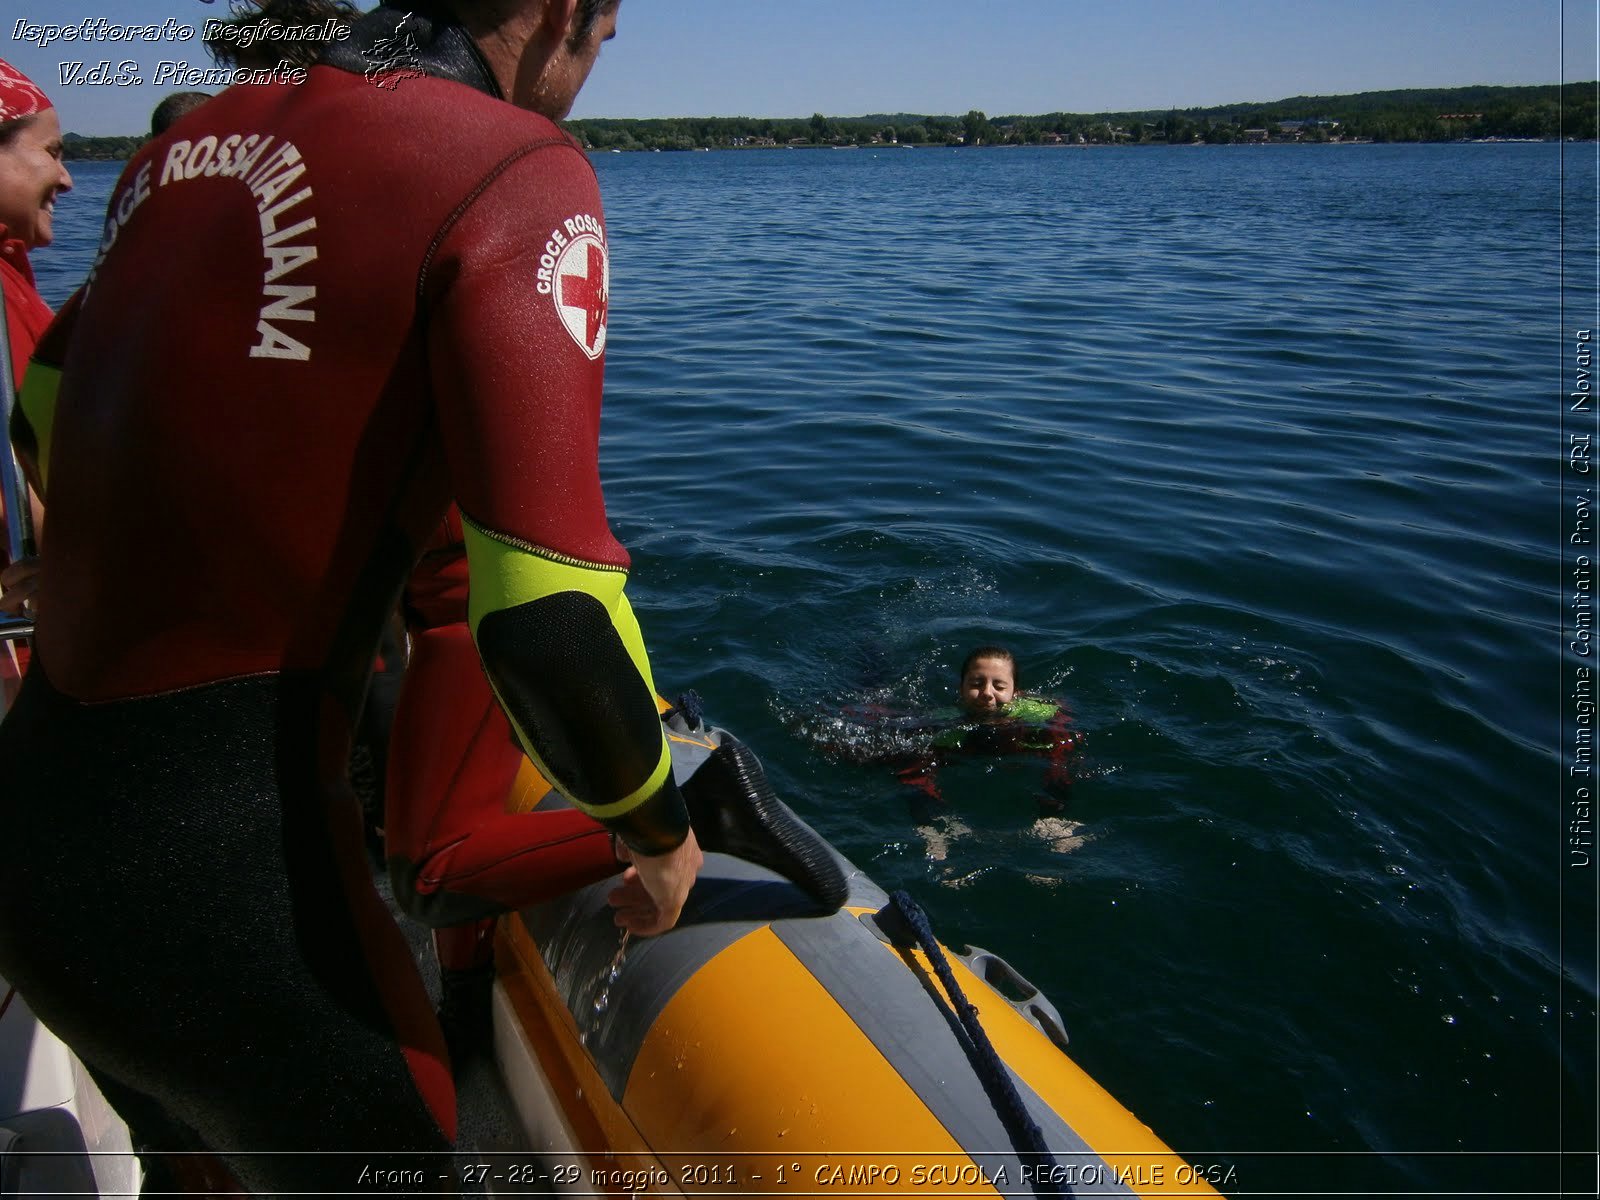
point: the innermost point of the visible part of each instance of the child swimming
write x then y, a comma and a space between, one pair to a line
995, 719
992, 717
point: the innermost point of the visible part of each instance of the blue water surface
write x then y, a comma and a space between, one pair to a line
1251, 454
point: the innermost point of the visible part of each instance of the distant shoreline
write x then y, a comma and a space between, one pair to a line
935, 146
1087, 145
122, 158
1543, 112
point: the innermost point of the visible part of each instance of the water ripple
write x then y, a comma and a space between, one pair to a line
1245, 450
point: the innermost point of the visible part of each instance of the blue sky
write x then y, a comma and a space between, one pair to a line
849, 57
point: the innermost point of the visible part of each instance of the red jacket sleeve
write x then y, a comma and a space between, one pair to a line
515, 300
454, 852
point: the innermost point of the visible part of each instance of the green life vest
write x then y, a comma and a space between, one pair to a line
1024, 710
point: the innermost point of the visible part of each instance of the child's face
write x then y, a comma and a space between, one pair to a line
988, 685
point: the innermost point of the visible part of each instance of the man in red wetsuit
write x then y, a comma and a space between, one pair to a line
319, 315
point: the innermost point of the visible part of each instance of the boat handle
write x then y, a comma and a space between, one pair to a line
1008, 983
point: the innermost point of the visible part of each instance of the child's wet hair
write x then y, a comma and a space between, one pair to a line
999, 652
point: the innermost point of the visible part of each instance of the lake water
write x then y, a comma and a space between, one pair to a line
1254, 456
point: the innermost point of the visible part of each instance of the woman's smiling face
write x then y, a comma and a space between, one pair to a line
32, 175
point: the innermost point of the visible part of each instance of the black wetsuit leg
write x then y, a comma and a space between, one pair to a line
178, 902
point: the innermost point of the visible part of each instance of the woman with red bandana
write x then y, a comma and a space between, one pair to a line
32, 175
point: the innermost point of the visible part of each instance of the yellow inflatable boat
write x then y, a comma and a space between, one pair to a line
786, 1038
775, 1043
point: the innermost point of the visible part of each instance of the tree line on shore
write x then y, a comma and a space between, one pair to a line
1433, 115
1415, 115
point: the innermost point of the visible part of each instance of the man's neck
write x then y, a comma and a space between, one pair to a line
417, 38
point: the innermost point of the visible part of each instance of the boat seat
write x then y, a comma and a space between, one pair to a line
42, 1153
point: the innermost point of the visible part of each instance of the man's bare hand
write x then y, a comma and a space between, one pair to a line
651, 893
18, 584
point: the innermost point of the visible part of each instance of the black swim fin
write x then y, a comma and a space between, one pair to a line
734, 810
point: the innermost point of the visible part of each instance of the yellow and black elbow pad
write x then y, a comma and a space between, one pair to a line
564, 654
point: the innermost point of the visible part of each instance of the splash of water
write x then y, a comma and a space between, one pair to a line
603, 1000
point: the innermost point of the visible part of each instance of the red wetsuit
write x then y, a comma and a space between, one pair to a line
456, 857
454, 851
318, 316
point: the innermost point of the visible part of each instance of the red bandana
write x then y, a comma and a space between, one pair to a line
19, 95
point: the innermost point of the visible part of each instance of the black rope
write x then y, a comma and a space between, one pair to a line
1019, 1123
693, 710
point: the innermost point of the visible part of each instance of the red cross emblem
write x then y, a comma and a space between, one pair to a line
582, 291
